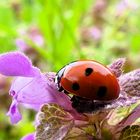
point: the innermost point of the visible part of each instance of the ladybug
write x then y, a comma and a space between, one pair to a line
88, 80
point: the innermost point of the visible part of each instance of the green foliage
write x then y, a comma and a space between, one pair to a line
7, 28
130, 133
59, 23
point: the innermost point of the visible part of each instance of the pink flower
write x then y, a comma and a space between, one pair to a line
22, 45
96, 33
32, 35
125, 5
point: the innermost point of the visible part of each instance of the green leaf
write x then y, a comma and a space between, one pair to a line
54, 122
130, 133
135, 43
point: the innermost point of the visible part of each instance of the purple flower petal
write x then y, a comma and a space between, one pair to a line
34, 92
29, 137
130, 83
37, 91
17, 64
116, 66
14, 113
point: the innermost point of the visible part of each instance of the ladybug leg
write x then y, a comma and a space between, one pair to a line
66, 92
60, 89
83, 105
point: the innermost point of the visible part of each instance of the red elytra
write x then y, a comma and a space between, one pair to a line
89, 79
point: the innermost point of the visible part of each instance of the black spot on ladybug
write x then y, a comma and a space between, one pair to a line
75, 86
101, 91
88, 71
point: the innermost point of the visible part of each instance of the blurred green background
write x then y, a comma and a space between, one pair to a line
55, 32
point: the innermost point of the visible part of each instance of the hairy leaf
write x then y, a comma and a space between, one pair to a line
54, 123
130, 133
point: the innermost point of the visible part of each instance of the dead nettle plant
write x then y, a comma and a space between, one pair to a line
56, 119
